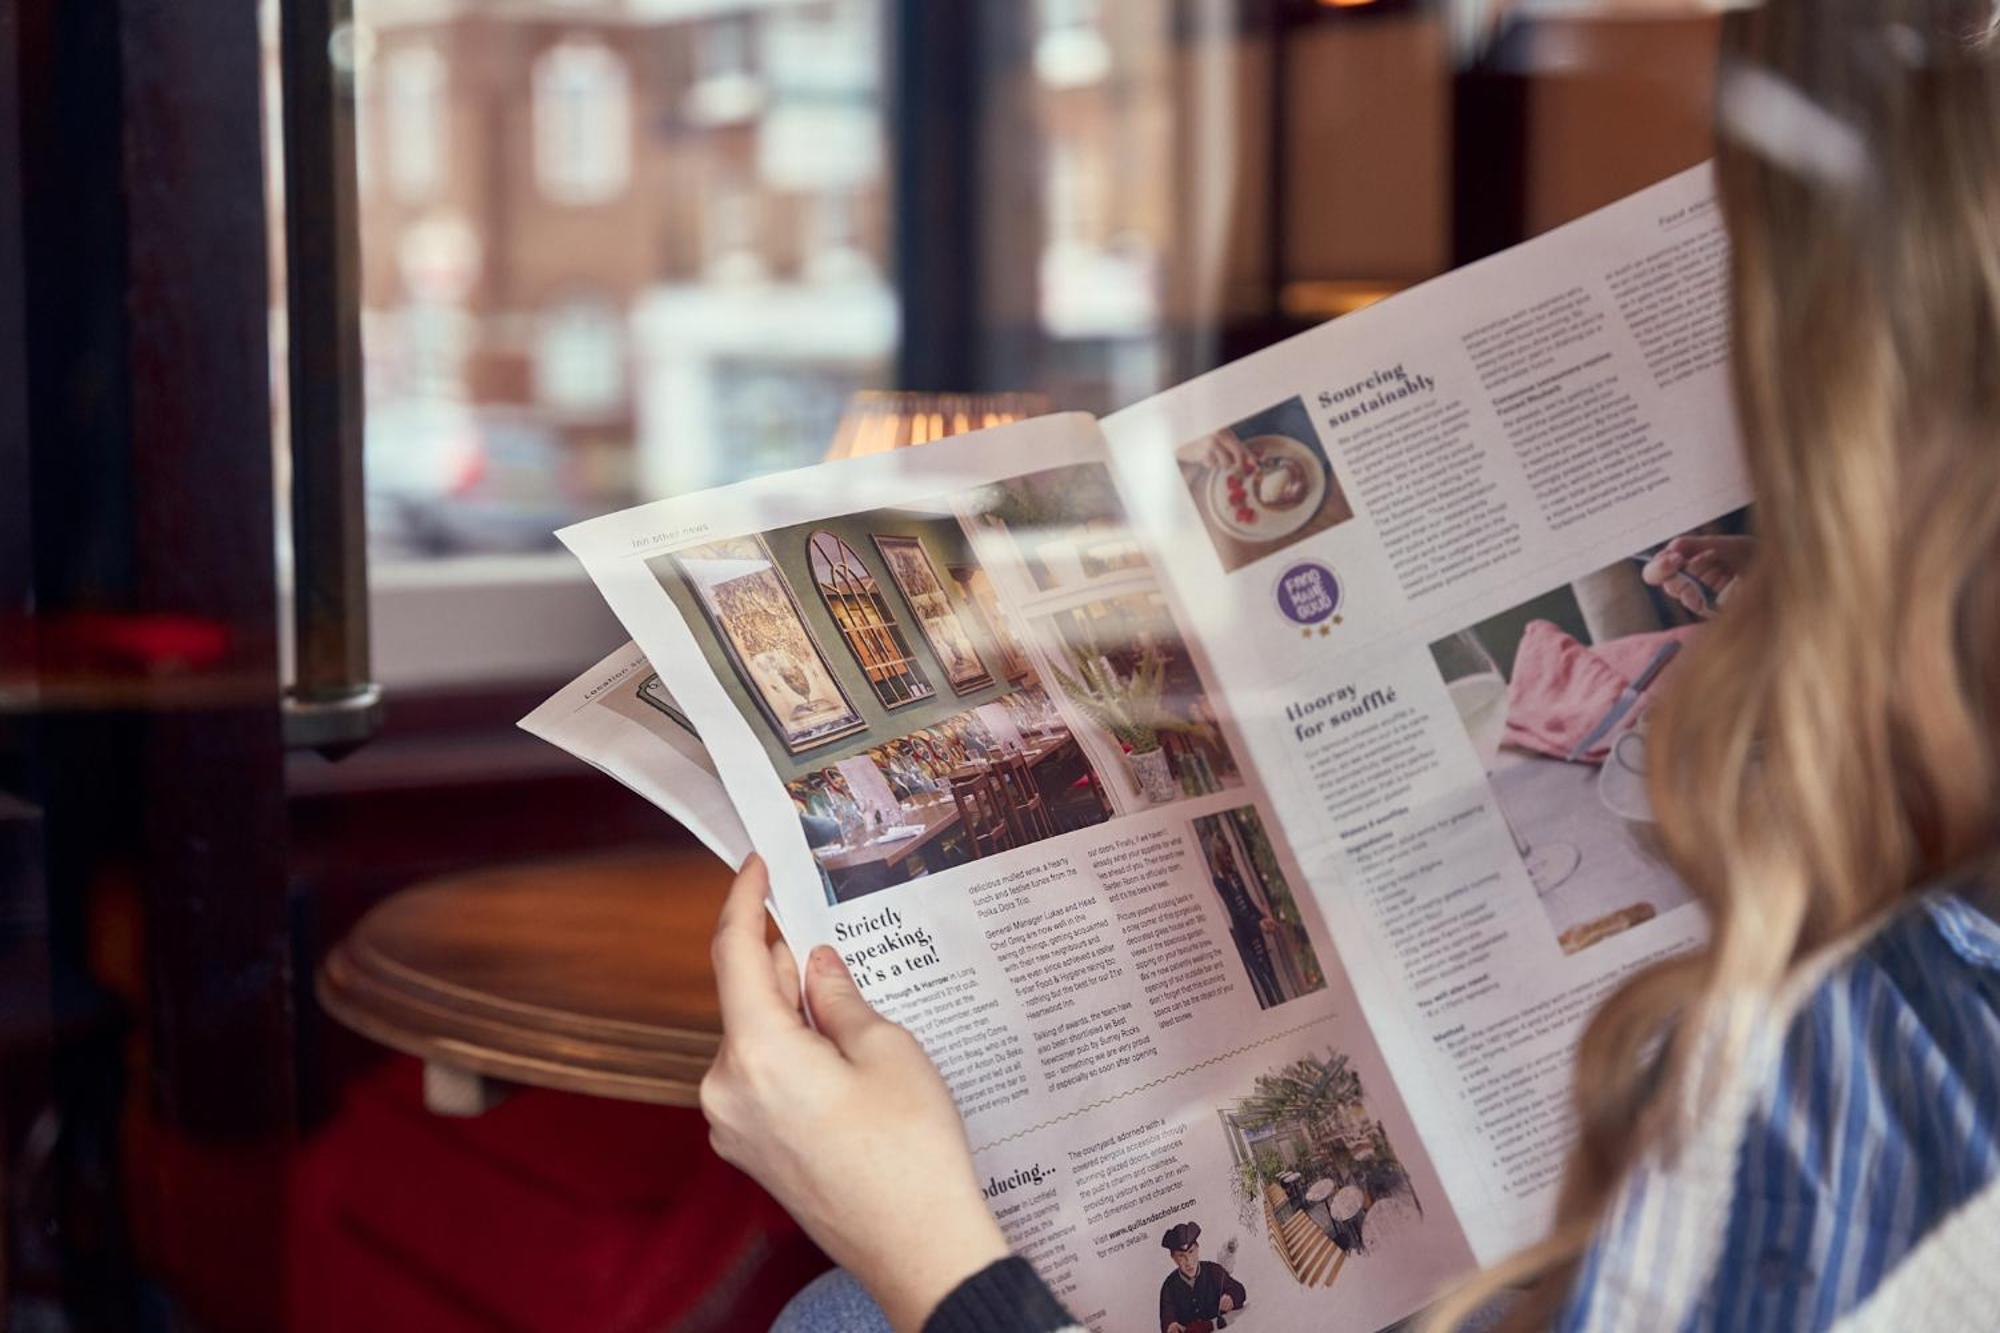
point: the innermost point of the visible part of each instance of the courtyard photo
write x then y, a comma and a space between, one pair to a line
1316, 1168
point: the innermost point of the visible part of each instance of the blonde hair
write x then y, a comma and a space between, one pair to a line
1828, 750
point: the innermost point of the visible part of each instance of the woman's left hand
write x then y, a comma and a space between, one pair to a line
850, 1127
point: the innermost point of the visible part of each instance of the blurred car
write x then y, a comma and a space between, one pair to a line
447, 478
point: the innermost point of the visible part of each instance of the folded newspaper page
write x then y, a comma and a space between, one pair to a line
1243, 798
619, 718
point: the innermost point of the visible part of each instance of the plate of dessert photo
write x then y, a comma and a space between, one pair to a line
1273, 495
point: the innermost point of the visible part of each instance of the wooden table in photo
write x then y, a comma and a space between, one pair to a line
851, 864
856, 868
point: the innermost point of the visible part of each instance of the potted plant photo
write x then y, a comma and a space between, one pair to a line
1128, 707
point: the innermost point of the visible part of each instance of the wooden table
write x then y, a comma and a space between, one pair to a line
938, 820
590, 976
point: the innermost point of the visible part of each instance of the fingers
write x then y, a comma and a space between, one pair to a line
838, 1008
1708, 566
1662, 567
1688, 594
786, 972
1225, 451
744, 977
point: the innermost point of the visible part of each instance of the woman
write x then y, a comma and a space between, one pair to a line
1799, 1125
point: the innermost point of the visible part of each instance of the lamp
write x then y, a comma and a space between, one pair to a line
877, 421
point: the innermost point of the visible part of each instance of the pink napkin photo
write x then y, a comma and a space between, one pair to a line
1562, 687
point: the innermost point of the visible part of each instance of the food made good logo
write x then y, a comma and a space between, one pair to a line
1309, 596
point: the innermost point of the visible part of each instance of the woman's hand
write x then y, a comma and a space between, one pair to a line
1686, 566
850, 1127
1221, 451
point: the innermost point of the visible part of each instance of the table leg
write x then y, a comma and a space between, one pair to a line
460, 1093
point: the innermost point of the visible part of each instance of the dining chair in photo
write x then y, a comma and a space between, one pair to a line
1069, 786
982, 811
1026, 810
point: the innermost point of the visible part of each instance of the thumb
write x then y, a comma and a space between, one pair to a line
839, 1010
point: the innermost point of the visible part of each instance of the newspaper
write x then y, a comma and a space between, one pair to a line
1242, 797
620, 718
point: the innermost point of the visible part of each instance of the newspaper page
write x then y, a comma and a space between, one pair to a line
958, 712
1424, 549
620, 718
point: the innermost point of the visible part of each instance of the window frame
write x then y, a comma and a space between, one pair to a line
874, 622
600, 173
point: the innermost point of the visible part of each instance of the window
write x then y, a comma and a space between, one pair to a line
855, 602
732, 239
725, 91
717, 177
415, 123
832, 250
583, 123
580, 359
1071, 51
821, 131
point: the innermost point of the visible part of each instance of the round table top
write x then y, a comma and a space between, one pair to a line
1347, 1203
590, 976
1319, 1190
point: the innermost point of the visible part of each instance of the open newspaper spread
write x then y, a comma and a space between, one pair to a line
1243, 797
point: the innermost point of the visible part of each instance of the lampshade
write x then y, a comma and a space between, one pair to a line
877, 421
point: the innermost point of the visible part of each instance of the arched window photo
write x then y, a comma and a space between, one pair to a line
855, 601
583, 123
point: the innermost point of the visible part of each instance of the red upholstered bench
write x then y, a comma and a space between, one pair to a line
563, 1015
552, 1212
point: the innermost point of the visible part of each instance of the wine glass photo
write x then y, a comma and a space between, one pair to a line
1478, 691
1621, 782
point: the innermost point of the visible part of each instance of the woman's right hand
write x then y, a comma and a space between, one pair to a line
849, 1126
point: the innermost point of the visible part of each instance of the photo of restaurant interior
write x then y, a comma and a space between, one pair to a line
879, 665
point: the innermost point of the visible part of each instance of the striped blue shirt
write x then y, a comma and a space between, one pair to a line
1867, 1123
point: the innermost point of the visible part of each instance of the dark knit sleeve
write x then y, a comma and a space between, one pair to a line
1004, 1297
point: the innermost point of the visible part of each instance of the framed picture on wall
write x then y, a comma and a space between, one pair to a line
976, 591
911, 567
752, 611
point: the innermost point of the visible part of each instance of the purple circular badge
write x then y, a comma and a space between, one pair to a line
1308, 593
